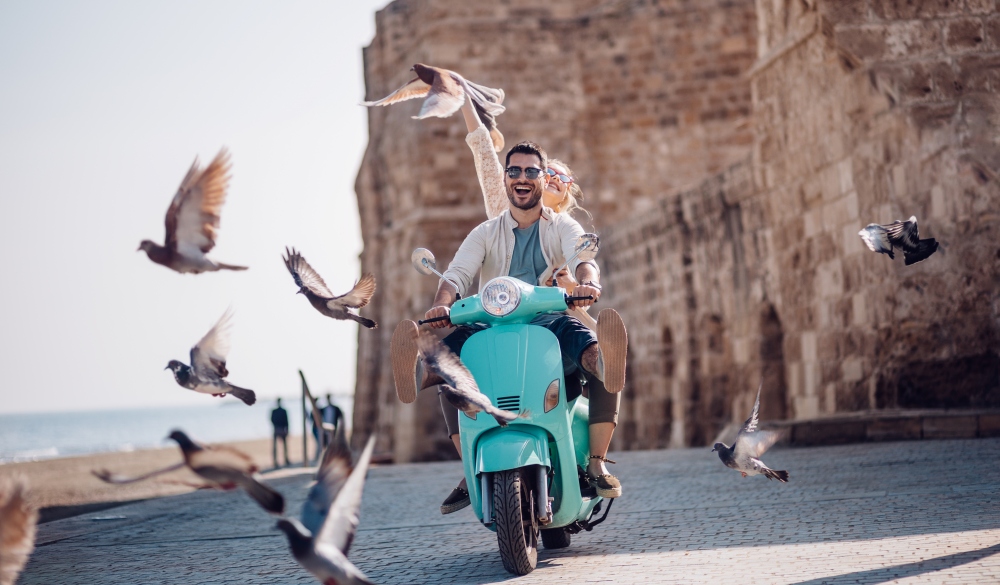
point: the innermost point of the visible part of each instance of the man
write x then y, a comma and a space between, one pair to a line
332, 415
525, 242
279, 419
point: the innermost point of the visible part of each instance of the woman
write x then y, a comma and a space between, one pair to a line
562, 195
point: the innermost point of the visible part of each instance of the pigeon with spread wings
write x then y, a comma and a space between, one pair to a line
193, 220
750, 444
899, 234
445, 92
222, 467
311, 285
18, 522
322, 547
207, 371
459, 386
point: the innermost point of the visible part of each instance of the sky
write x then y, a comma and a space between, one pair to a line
103, 107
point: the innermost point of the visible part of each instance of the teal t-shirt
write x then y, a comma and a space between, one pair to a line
527, 263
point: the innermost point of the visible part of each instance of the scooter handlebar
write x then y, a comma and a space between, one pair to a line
434, 319
570, 300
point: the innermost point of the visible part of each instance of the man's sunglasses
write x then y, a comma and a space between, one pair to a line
530, 173
564, 178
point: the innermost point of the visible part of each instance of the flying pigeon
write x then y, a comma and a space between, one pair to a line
445, 92
193, 220
317, 504
311, 284
323, 551
223, 467
18, 520
899, 234
748, 446
207, 371
459, 386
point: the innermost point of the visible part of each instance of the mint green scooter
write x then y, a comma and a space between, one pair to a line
529, 477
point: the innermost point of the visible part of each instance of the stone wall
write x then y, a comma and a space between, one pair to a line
730, 152
863, 111
641, 98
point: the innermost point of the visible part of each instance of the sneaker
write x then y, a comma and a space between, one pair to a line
612, 341
607, 485
458, 499
404, 358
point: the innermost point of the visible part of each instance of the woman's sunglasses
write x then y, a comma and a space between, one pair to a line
564, 178
530, 173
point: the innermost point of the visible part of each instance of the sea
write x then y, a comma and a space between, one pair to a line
30, 437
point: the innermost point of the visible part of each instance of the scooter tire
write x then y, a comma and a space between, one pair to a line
517, 529
553, 538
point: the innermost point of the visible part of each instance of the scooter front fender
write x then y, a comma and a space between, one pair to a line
505, 448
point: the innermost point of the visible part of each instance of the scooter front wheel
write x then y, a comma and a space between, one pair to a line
517, 527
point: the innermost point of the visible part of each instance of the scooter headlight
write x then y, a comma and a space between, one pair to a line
501, 296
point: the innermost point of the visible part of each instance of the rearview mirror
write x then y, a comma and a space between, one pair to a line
423, 261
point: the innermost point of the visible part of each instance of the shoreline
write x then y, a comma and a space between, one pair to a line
62, 487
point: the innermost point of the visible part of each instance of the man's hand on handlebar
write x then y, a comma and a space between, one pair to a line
583, 290
437, 312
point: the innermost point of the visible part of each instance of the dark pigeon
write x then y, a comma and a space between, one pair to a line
459, 386
749, 445
222, 467
323, 551
311, 285
207, 371
445, 93
899, 234
192, 220
18, 524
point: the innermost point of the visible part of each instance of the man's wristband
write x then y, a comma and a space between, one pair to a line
592, 284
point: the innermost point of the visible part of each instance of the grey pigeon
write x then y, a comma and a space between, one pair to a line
899, 234
459, 386
445, 92
192, 220
311, 285
18, 522
317, 505
323, 552
207, 371
749, 445
223, 467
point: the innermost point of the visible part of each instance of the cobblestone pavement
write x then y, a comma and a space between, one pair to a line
915, 512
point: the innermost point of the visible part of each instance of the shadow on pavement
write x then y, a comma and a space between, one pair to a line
895, 572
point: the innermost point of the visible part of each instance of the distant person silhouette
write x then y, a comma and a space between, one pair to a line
332, 415
279, 419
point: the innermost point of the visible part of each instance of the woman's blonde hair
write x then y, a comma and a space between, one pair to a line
574, 195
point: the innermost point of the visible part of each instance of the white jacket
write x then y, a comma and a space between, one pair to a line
491, 244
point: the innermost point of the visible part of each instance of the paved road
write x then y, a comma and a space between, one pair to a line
916, 512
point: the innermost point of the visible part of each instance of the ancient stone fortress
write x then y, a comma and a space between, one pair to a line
729, 151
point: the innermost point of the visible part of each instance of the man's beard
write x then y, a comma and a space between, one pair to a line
536, 196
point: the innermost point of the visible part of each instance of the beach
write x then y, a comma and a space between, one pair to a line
65, 486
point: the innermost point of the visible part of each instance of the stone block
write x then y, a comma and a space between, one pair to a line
949, 427
845, 11
991, 27
989, 425
806, 407
808, 341
852, 369
845, 171
980, 6
980, 72
867, 42
933, 115
963, 34
894, 429
912, 39
859, 309
832, 432
909, 9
